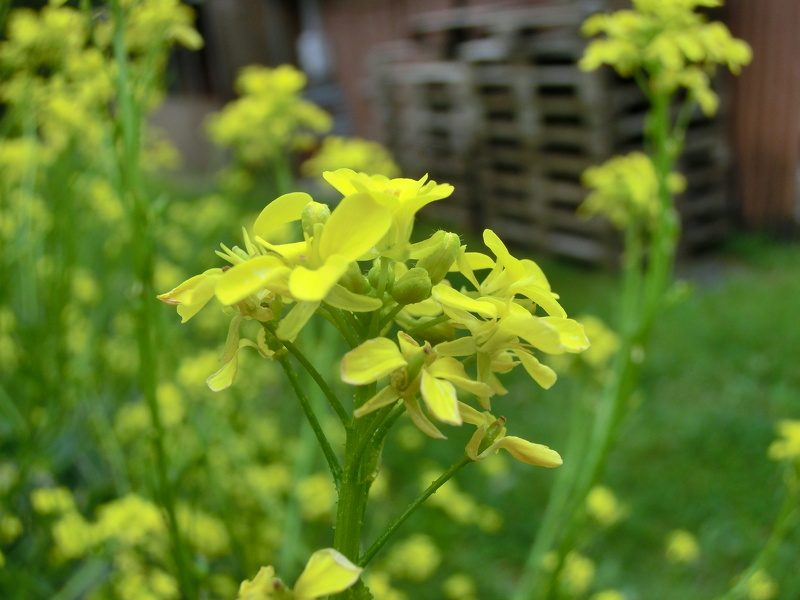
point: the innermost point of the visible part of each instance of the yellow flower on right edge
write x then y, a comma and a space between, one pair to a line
787, 446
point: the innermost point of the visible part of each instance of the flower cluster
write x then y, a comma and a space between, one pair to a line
270, 117
625, 190
353, 153
414, 337
667, 40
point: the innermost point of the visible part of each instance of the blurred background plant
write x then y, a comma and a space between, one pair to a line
81, 504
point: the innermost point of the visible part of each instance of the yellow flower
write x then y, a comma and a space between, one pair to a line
415, 558
413, 369
351, 153
760, 586
608, 595
327, 572
682, 547
402, 197
491, 437
787, 447
625, 189
603, 506
502, 326
669, 41
269, 118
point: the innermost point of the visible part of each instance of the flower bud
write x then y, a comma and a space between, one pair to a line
374, 276
414, 286
314, 213
354, 280
493, 431
436, 334
439, 261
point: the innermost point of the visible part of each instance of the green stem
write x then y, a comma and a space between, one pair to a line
336, 318
131, 186
427, 324
383, 278
390, 316
429, 491
367, 437
305, 404
330, 395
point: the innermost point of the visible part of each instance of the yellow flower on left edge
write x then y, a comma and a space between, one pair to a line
263, 276
327, 572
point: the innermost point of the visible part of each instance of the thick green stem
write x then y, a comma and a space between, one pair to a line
429, 491
305, 404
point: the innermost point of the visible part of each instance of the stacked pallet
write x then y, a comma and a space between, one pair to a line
506, 113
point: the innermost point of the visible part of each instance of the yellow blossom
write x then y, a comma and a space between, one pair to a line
52, 501
787, 446
416, 558
603, 506
682, 547
402, 197
760, 586
625, 190
668, 40
359, 155
413, 370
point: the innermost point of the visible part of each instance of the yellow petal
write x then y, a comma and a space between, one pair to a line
342, 180
420, 420
370, 361
313, 285
464, 346
282, 210
249, 277
572, 335
534, 330
473, 417
292, 323
385, 397
223, 379
452, 370
357, 224
528, 452
327, 572
341, 297
440, 396
496, 245
193, 294
450, 297
541, 374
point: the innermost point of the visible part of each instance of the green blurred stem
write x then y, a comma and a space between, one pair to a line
305, 404
786, 518
132, 187
429, 491
330, 395
642, 296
